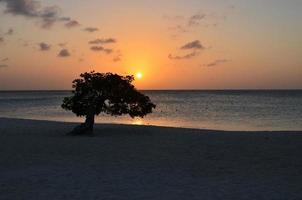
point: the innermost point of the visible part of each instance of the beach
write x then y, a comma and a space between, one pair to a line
38, 161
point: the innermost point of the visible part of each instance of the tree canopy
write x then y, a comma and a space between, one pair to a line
94, 93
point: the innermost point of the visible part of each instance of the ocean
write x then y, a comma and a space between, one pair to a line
244, 110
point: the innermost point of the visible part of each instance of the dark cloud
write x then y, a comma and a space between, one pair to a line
216, 62
28, 8
193, 45
187, 56
97, 48
103, 41
72, 23
91, 29
100, 48
10, 32
64, 53
48, 16
2, 66
4, 59
44, 47
1, 40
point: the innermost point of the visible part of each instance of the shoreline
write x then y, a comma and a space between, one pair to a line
150, 126
38, 161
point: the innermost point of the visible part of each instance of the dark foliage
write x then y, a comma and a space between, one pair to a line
106, 92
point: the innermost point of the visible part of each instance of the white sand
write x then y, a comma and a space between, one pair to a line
37, 161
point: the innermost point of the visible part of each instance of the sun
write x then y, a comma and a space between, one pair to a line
139, 75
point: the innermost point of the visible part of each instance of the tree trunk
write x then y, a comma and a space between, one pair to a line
89, 122
85, 128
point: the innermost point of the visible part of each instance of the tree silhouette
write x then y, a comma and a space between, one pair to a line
94, 93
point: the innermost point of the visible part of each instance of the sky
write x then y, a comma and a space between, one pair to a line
174, 44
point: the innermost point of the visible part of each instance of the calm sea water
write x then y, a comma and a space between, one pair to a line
224, 110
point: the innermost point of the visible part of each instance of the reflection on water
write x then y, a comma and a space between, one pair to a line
226, 110
138, 121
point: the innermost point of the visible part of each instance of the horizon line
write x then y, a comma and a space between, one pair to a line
187, 89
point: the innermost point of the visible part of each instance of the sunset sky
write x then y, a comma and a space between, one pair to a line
174, 44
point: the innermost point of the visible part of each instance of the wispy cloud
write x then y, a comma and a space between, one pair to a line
174, 17
184, 24
195, 47
44, 47
72, 24
117, 57
34, 9
103, 41
4, 59
192, 45
3, 65
178, 28
62, 44
216, 62
64, 53
91, 29
194, 20
186, 56
100, 48
10, 32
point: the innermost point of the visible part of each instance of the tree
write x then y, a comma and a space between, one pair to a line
94, 93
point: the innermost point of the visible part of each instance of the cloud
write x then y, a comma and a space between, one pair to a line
64, 53
178, 28
65, 19
2, 66
100, 48
10, 32
187, 56
28, 8
195, 46
91, 29
173, 18
44, 47
118, 57
1, 40
72, 23
181, 25
192, 45
48, 16
194, 20
102, 41
216, 62
62, 44
4, 59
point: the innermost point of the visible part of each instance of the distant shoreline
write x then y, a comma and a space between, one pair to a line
97, 124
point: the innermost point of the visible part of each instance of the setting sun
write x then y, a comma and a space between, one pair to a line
139, 75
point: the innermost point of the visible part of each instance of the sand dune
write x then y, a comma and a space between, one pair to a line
37, 161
